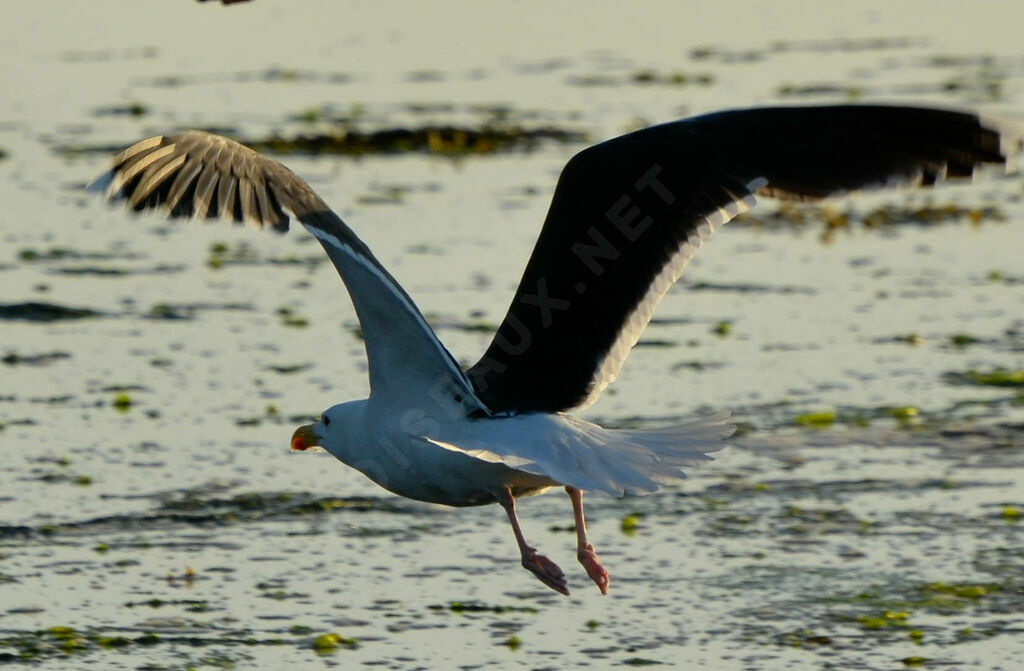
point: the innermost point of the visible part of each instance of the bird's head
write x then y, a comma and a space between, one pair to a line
336, 427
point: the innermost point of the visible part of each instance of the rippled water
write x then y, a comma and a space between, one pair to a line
151, 373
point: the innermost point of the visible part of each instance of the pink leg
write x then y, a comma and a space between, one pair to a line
584, 550
539, 565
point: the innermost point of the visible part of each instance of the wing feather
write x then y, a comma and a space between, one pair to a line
193, 172
628, 214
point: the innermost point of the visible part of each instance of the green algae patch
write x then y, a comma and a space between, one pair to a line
630, 523
914, 339
801, 215
478, 607
816, 420
998, 377
32, 255
444, 140
914, 661
962, 340
187, 311
904, 413
290, 319
885, 620
328, 643
958, 593
60, 642
122, 402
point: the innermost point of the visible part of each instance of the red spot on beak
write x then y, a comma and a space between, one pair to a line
304, 438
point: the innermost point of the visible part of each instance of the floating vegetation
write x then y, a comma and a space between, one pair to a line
478, 607
57, 477
656, 342
1004, 278
270, 75
816, 420
630, 523
244, 254
722, 328
327, 643
943, 598
270, 414
885, 620
904, 413
289, 369
697, 366
109, 271
391, 195
446, 140
645, 78
15, 359
731, 55
33, 255
61, 642
122, 402
747, 288
997, 377
187, 311
44, 312
962, 340
289, 318
438, 139
832, 90
640, 661
135, 109
796, 215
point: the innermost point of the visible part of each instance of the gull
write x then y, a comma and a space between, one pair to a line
626, 216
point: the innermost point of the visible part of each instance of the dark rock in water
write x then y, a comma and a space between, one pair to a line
44, 312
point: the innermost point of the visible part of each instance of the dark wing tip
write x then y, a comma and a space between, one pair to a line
809, 153
199, 175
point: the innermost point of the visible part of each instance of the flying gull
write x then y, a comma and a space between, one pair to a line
626, 217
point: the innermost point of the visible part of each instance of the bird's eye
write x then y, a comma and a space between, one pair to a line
326, 420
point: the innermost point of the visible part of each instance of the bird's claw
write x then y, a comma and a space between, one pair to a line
599, 574
546, 571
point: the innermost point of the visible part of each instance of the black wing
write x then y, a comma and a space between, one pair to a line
629, 213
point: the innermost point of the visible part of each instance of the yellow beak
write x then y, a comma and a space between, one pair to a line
304, 438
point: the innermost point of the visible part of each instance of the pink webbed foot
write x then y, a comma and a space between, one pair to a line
546, 571
599, 574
